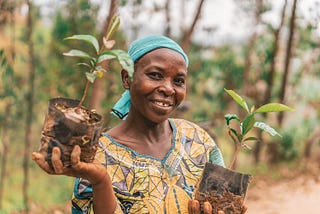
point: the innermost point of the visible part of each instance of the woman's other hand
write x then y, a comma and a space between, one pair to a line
194, 208
93, 172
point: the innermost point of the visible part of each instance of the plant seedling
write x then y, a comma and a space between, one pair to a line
239, 135
224, 188
101, 54
67, 122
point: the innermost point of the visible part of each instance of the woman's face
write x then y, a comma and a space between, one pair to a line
159, 84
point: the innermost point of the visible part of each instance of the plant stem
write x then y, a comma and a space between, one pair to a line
84, 94
235, 156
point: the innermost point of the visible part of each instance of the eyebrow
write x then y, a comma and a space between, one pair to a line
180, 73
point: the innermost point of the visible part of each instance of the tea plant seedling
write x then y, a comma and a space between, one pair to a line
101, 54
239, 135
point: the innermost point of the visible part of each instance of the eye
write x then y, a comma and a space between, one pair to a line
155, 75
179, 81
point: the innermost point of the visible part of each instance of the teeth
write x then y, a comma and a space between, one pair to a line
161, 104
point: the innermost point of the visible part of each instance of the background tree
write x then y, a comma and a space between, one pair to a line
289, 53
99, 89
30, 105
271, 75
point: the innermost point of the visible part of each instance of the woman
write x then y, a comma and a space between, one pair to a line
148, 163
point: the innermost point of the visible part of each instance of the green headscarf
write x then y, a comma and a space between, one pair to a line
138, 49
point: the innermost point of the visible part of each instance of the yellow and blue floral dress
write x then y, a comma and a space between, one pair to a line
145, 184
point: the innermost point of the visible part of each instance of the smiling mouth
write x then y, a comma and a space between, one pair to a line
162, 104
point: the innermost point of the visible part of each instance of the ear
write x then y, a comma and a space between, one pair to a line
125, 79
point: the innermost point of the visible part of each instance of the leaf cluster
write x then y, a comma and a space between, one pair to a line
249, 122
100, 54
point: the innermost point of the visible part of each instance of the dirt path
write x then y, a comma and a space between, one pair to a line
297, 195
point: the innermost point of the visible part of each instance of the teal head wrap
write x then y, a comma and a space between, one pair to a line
138, 49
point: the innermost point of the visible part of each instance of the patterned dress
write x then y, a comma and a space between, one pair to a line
145, 184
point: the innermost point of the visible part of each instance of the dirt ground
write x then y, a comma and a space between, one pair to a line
297, 193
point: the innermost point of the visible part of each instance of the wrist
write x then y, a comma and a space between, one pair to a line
103, 181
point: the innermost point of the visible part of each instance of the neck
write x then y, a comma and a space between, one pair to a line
146, 129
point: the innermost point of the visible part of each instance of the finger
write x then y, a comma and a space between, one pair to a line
75, 156
42, 163
196, 207
220, 212
56, 161
244, 209
207, 208
190, 211
193, 207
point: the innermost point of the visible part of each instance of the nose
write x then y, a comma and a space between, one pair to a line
167, 88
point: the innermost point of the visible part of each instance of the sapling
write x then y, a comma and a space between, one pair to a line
101, 54
224, 188
239, 132
68, 122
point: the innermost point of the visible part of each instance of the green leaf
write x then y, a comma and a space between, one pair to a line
124, 60
266, 128
107, 55
247, 124
251, 139
238, 99
78, 53
84, 64
91, 76
273, 107
113, 27
86, 38
230, 117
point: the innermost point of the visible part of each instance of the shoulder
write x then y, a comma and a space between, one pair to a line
188, 127
184, 123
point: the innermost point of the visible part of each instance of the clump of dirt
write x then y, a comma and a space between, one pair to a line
67, 125
225, 189
227, 201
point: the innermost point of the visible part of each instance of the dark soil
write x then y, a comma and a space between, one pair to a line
67, 125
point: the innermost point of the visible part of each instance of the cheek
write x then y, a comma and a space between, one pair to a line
181, 94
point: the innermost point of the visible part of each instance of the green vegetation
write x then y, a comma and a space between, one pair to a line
101, 54
239, 134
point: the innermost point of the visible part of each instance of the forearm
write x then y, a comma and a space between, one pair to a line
104, 200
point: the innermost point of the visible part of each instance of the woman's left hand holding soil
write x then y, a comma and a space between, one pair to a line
194, 208
93, 172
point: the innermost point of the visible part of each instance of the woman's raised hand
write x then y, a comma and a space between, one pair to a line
93, 172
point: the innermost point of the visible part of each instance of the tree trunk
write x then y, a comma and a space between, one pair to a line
288, 59
307, 149
186, 38
270, 80
99, 91
247, 79
29, 110
168, 19
4, 152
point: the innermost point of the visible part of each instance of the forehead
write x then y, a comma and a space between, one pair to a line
163, 55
